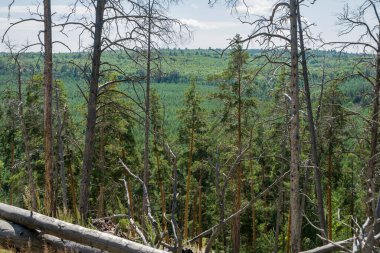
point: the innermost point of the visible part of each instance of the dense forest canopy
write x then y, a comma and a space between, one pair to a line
267, 145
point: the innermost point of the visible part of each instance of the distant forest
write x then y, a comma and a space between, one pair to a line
193, 150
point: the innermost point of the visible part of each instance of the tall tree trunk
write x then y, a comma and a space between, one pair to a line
91, 112
313, 135
48, 119
294, 133
147, 116
61, 161
190, 159
372, 164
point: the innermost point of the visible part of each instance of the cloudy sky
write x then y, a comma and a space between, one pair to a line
211, 26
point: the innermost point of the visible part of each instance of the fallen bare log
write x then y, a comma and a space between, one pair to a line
71, 232
336, 246
20, 238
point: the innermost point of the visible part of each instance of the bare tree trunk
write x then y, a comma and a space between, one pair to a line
313, 135
147, 116
91, 113
294, 133
191, 146
61, 161
372, 164
48, 119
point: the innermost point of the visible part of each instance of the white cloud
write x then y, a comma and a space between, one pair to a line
194, 6
255, 7
208, 25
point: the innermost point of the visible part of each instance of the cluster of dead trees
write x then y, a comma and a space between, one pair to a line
133, 27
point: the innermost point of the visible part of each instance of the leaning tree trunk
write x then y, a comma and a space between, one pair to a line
147, 118
48, 120
313, 135
89, 148
294, 133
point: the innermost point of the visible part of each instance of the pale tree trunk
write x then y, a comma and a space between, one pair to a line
313, 135
71, 232
21, 239
48, 119
61, 161
89, 148
294, 134
147, 117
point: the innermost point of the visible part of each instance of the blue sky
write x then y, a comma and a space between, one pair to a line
211, 26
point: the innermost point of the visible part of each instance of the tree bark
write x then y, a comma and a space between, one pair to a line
89, 148
16, 237
313, 135
71, 232
147, 117
294, 133
48, 119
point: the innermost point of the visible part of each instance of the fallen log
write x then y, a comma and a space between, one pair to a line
19, 238
71, 232
336, 246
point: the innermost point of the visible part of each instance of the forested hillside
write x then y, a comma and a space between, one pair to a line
237, 149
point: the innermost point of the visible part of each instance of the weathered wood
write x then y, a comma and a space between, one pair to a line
335, 246
71, 232
331, 247
17, 237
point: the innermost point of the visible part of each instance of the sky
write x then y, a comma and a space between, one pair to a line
211, 26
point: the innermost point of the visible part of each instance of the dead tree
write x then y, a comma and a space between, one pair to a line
267, 32
312, 127
122, 26
19, 238
71, 232
368, 42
